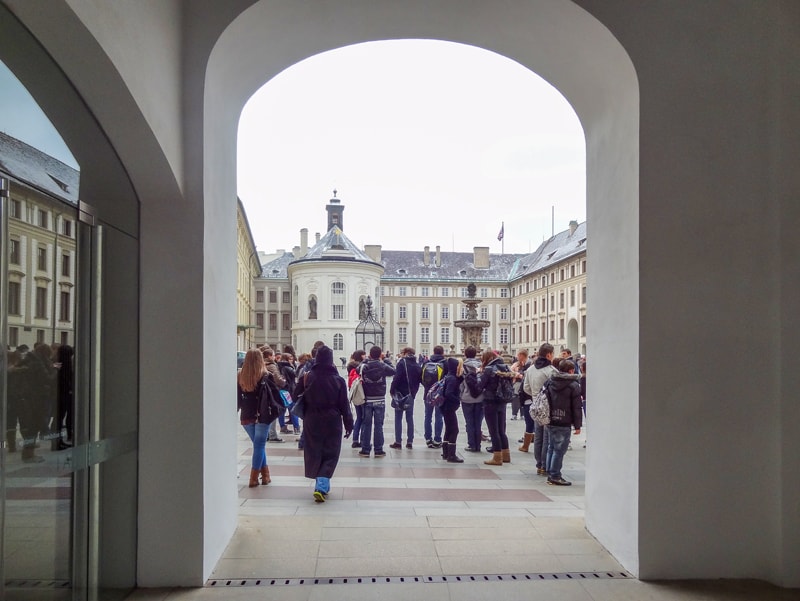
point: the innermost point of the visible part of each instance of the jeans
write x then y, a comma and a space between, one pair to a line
373, 411
540, 443
530, 425
433, 415
323, 485
295, 420
473, 417
495, 414
258, 434
398, 423
357, 424
559, 442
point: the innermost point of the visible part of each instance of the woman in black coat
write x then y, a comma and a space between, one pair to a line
326, 410
453, 376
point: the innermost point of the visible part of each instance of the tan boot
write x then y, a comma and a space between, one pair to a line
497, 459
253, 478
265, 479
527, 439
506, 455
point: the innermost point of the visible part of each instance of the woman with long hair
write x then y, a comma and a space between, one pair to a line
257, 410
495, 368
326, 410
453, 377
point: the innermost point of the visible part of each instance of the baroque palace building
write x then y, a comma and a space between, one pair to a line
319, 293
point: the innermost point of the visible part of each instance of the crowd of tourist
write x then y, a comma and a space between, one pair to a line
480, 386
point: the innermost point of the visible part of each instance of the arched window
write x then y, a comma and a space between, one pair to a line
338, 342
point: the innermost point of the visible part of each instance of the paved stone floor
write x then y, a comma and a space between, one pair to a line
413, 526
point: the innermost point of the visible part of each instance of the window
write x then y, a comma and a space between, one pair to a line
402, 312
552, 327
425, 335
64, 338
464, 312
337, 311
383, 290
425, 291
583, 325
286, 323
534, 306
14, 298
16, 210
259, 296
40, 336
64, 307
273, 296
260, 321
504, 291
562, 274
66, 227
401, 291
484, 312
402, 334
41, 302
445, 312
513, 312
527, 333
41, 258
485, 336
534, 333
583, 295
44, 219
445, 291
484, 292
561, 300
273, 321
552, 302
503, 335
572, 271
544, 281
504, 313
338, 342
425, 312
445, 336
553, 277
561, 328
13, 337
65, 266
13, 252
572, 297
337, 299
285, 297
583, 266
464, 292
383, 313
527, 308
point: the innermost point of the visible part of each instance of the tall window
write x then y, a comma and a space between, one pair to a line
561, 328
43, 219
485, 336
534, 333
583, 295
259, 296
425, 335
527, 333
402, 312
464, 312
285, 297
16, 209
286, 322
273, 321
534, 306
504, 291
337, 300
484, 292
383, 312
425, 312
337, 311
572, 297
572, 271
64, 307
583, 325
65, 265
13, 252
445, 291
503, 335
504, 313
402, 291
527, 308
445, 312
41, 258
425, 291
273, 296
41, 302
484, 312
338, 342
561, 300
13, 337
260, 321
66, 227
14, 297
445, 336
402, 334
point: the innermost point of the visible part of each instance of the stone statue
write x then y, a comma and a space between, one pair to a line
312, 307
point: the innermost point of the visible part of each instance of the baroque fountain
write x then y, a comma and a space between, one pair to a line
471, 327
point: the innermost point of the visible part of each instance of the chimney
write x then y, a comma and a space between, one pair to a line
573, 225
304, 241
296, 252
426, 256
480, 257
373, 251
316, 236
438, 256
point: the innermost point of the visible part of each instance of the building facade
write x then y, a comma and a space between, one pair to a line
248, 268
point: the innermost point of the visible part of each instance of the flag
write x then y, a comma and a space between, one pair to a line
502, 232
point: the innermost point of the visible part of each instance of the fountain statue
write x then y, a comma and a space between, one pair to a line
471, 327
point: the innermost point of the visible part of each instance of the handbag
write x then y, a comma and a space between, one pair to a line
286, 397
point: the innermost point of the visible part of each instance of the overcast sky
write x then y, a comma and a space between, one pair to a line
427, 143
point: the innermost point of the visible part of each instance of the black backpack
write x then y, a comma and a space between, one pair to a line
431, 373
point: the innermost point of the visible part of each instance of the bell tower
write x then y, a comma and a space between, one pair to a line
335, 210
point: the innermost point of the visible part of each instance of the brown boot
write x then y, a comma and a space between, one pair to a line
497, 459
253, 478
526, 442
265, 479
506, 455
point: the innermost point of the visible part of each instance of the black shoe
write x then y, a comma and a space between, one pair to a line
436, 445
380, 454
540, 471
521, 440
355, 445
409, 446
275, 440
558, 482
430, 444
471, 450
363, 454
395, 445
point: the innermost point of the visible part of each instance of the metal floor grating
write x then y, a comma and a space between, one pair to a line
565, 576
41, 584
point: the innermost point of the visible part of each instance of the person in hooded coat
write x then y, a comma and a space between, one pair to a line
327, 410
453, 376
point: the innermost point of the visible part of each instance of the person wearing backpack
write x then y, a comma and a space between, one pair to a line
373, 372
432, 371
566, 413
472, 399
453, 377
406, 384
496, 395
535, 377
